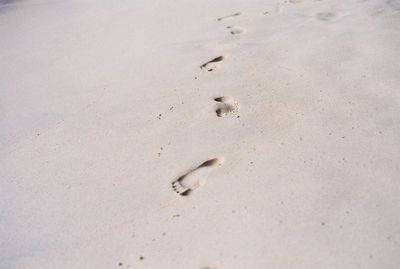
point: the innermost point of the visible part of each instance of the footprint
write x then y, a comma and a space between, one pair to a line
325, 16
226, 106
275, 10
195, 178
208, 64
229, 16
235, 30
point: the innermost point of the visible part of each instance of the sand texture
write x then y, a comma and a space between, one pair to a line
219, 134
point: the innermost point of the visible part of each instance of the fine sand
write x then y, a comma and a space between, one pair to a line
217, 134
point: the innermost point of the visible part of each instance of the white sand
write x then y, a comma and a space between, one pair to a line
103, 105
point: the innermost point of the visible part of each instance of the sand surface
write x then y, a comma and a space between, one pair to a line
286, 149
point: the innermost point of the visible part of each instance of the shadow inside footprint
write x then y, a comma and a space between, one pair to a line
195, 178
229, 16
222, 99
210, 163
215, 60
234, 30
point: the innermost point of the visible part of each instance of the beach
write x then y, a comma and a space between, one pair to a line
200, 134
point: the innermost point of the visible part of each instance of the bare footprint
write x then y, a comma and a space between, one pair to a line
229, 16
325, 16
275, 10
226, 106
208, 65
235, 30
195, 178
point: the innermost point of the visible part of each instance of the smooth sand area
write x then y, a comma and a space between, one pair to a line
184, 134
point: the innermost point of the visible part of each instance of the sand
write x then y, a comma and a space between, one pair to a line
119, 148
